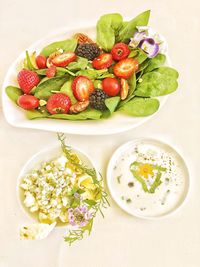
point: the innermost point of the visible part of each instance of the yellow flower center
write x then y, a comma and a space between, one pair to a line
145, 170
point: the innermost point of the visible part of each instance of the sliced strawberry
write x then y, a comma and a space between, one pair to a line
120, 51
41, 61
125, 68
103, 61
51, 72
64, 59
82, 88
58, 104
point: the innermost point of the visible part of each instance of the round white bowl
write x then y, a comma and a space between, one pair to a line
34, 162
158, 143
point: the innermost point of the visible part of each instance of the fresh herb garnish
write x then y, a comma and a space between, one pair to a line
119, 178
101, 196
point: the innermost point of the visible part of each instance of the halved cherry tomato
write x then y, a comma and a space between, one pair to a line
64, 59
103, 61
41, 61
28, 102
125, 68
111, 86
82, 88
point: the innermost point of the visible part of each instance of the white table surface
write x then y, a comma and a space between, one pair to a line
118, 240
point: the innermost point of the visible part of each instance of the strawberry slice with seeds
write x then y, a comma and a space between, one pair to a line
125, 68
82, 88
103, 61
64, 59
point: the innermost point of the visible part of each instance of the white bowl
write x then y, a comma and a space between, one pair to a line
117, 198
34, 162
16, 117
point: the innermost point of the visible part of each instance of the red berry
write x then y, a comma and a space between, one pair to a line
28, 102
111, 86
64, 59
41, 61
125, 68
120, 51
51, 72
27, 79
103, 61
82, 88
58, 104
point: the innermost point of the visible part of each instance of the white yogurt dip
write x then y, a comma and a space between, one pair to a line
148, 178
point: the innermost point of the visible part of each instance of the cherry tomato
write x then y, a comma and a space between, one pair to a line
28, 102
111, 86
41, 61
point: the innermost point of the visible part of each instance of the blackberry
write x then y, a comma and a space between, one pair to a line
97, 99
89, 51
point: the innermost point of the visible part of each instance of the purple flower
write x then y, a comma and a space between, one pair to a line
144, 42
149, 46
79, 216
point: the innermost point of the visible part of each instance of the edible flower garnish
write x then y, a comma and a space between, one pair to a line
150, 42
79, 216
145, 170
148, 175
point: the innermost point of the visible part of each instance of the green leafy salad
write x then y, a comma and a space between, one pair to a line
124, 70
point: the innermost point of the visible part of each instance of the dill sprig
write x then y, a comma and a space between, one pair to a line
97, 206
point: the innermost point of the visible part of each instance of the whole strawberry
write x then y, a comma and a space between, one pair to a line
27, 79
58, 103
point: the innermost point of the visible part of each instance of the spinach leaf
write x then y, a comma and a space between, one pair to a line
133, 53
111, 103
67, 89
35, 114
44, 89
61, 71
143, 65
13, 93
28, 61
95, 74
107, 29
155, 63
80, 64
168, 72
130, 28
41, 72
68, 45
159, 82
91, 114
140, 107
141, 56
